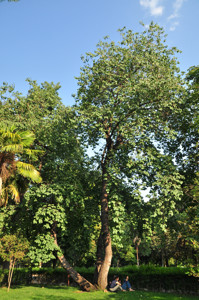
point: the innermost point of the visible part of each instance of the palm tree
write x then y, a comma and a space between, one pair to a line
14, 153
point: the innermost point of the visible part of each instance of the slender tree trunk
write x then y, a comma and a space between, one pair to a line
80, 280
1, 183
9, 274
11, 269
166, 262
137, 253
163, 258
105, 232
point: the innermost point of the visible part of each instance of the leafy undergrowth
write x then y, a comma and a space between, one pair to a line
69, 293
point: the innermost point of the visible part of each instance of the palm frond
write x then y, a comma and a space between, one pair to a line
4, 197
17, 148
27, 138
8, 133
28, 171
33, 153
14, 192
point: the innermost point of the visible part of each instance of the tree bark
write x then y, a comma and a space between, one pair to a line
137, 251
80, 280
1, 183
100, 255
11, 269
163, 258
105, 234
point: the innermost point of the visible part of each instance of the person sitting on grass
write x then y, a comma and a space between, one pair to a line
126, 285
115, 285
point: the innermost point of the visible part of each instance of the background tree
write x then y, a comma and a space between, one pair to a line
174, 226
188, 157
12, 248
49, 212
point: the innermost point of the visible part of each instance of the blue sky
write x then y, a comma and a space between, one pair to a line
44, 39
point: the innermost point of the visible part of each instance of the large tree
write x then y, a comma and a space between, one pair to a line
49, 212
128, 93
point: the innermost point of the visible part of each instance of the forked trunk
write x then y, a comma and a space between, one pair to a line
11, 269
80, 280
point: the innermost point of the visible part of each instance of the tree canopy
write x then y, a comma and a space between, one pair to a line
128, 93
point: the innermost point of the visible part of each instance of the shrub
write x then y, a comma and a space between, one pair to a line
144, 277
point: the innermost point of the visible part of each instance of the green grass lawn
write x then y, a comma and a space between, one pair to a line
70, 293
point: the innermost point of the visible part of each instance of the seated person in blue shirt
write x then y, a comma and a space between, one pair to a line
115, 285
126, 285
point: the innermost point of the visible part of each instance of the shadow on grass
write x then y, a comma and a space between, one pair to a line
45, 292
87, 296
42, 297
54, 287
138, 295
13, 287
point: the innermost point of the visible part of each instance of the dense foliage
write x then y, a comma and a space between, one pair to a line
140, 117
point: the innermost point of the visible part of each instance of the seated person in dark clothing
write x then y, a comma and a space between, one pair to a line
115, 285
126, 285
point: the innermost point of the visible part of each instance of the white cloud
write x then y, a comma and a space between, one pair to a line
174, 25
154, 7
146, 26
175, 15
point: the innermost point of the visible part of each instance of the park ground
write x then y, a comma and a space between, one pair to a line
70, 293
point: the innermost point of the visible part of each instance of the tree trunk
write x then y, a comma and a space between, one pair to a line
9, 274
105, 233
137, 254
1, 183
100, 255
163, 258
11, 269
103, 273
81, 281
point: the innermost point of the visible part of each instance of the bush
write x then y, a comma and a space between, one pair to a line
20, 276
3, 277
49, 276
159, 278
152, 278
144, 277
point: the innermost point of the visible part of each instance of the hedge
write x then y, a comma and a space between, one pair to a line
20, 276
145, 277
159, 278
